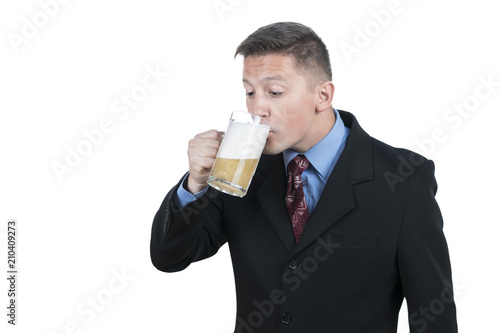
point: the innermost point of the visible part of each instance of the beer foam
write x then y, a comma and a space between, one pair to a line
243, 141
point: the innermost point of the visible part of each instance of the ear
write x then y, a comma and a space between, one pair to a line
324, 93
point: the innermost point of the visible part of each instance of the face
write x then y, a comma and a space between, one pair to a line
278, 92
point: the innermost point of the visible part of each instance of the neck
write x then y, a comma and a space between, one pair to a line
322, 126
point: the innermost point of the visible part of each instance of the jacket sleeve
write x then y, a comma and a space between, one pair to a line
182, 236
423, 260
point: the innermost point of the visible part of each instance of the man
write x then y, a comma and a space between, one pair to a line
370, 233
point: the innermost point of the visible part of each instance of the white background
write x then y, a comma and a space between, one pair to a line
77, 233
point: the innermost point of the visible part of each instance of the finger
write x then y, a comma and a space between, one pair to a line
211, 134
202, 152
202, 165
203, 142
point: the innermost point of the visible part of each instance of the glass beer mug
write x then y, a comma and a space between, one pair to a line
239, 153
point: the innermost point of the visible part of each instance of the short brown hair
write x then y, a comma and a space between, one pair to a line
291, 39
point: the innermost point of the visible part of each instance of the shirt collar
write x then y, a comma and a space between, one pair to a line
322, 154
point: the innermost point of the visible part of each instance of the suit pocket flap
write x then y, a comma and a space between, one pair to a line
355, 240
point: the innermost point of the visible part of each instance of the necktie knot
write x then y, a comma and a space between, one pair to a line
297, 165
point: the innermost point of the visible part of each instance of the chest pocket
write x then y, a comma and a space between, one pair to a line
355, 240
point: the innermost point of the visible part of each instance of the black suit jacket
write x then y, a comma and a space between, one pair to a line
375, 237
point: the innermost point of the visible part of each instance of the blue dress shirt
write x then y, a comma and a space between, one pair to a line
322, 157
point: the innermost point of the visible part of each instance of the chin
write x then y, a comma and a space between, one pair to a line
269, 149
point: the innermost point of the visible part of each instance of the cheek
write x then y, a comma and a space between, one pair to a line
293, 117
291, 131
298, 123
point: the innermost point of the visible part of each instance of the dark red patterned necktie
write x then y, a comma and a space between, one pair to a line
295, 200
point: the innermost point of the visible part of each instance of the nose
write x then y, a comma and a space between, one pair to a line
258, 107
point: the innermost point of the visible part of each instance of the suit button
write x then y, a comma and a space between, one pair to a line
293, 264
286, 319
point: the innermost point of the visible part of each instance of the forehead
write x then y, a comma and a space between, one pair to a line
271, 65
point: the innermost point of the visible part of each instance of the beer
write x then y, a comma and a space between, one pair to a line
238, 172
239, 154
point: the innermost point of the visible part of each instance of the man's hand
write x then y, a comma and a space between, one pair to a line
202, 150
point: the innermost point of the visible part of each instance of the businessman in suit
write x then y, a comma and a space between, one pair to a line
336, 228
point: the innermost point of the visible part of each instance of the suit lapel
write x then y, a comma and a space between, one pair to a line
270, 182
335, 201
354, 166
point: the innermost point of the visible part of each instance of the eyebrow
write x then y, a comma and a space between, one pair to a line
268, 78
